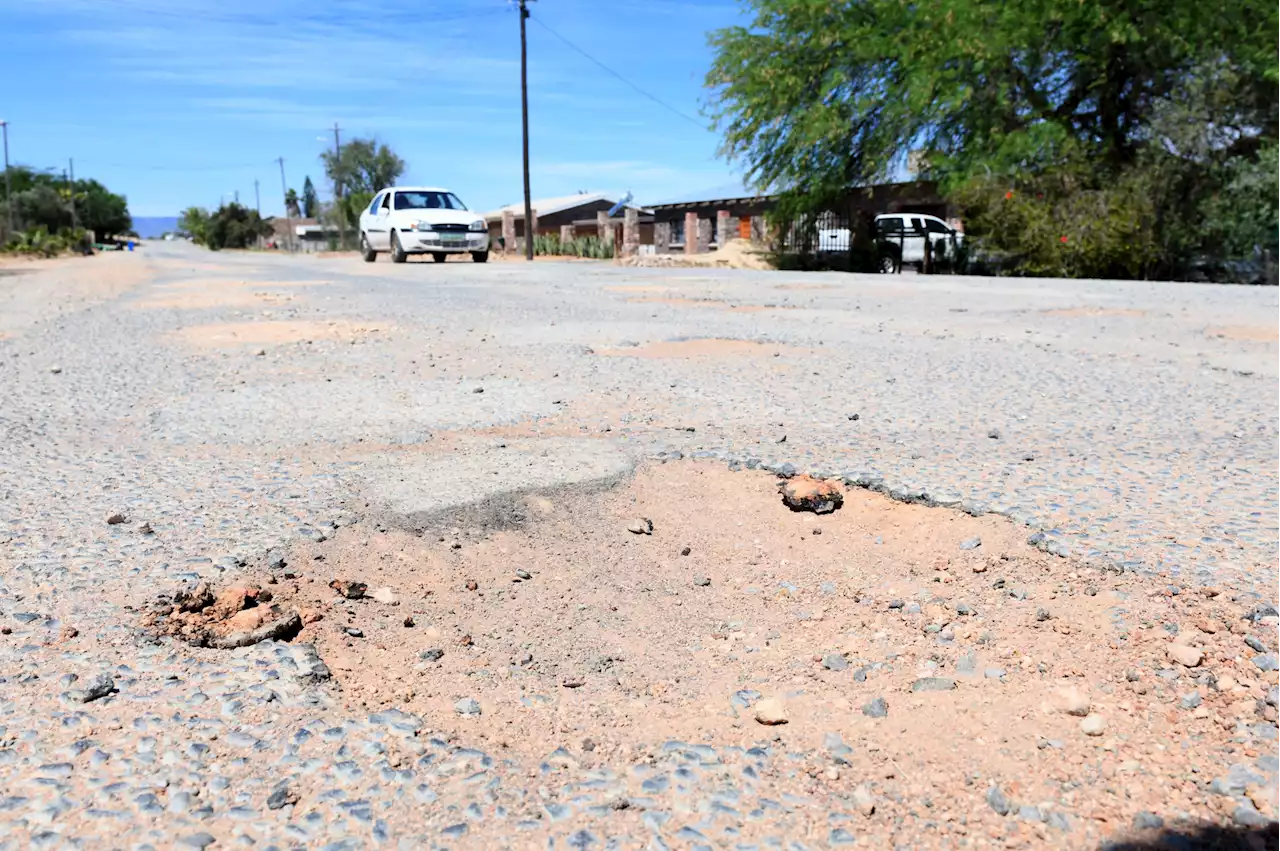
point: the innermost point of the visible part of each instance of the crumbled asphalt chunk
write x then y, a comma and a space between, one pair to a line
971, 543
877, 708
98, 688
998, 802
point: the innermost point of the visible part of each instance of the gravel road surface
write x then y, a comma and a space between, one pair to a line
173, 416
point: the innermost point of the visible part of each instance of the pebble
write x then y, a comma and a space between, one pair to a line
1094, 725
641, 526
115, 518
971, 544
1147, 821
385, 596
349, 588
1073, 702
523, 574
770, 712
1190, 700
1184, 655
701, 581
835, 662
467, 707
864, 800
876, 708
933, 684
100, 687
997, 801
434, 654
1266, 662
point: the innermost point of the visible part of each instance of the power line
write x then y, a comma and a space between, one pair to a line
193, 167
605, 67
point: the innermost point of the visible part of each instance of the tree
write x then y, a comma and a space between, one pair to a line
230, 226
817, 97
291, 204
194, 222
43, 198
365, 165
310, 201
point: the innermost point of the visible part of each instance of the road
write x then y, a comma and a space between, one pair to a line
239, 403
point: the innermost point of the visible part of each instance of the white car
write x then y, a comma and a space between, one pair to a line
906, 232
406, 220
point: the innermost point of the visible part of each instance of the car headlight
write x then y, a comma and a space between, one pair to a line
420, 226
479, 225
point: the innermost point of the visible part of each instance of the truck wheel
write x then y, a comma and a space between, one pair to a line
397, 250
887, 264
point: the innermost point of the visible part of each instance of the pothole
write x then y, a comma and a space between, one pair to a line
689, 603
222, 334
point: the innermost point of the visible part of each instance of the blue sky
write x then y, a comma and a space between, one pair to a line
178, 103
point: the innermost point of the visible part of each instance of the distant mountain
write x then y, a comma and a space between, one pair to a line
152, 226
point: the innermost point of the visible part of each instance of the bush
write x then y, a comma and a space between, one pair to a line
38, 242
590, 247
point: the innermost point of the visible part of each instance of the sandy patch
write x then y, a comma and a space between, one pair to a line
278, 331
736, 254
214, 284
710, 302
711, 347
934, 664
1093, 311
637, 288
205, 299
1245, 333
805, 287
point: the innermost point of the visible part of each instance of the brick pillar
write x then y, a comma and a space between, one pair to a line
566, 234
704, 235
630, 232
757, 230
661, 237
508, 230
604, 228
722, 228
690, 233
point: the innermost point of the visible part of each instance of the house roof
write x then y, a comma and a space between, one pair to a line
736, 190
549, 206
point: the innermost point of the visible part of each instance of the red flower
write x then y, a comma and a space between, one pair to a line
1008, 195
1062, 239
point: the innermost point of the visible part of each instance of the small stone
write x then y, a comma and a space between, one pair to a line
472, 585
281, 797
1094, 725
477, 390
1190, 700
895, 604
101, 686
1147, 821
994, 433
1255, 644
1042, 615
468, 707
1073, 702
971, 544
194, 599
864, 800
574, 682
386, 596
933, 684
685, 551
198, 841
353, 631
435, 654
701, 581
349, 588
877, 708
835, 662
997, 801
115, 519
56, 370
523, 574
1266, 662
771, 712
408, 621
805, 493
1182, 654
854, 417
641, 526
144, 528
979, 567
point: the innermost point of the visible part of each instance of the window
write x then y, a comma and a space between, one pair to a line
386, 201
373, 205
917, 224
427, 200
889, 225
677, 232
935, 226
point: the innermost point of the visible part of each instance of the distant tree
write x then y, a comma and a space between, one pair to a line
366, 165
310, 201
194, 222
230, 226
291, 204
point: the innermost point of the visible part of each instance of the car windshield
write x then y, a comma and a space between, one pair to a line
428, 201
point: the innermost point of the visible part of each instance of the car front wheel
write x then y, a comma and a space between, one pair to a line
439, 256
480, 256
397, 250
366, 250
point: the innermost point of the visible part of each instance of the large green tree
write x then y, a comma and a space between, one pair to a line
365, 165
815, 96
46, 198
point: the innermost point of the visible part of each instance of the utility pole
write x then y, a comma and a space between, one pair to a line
337, 188
524, 119
235, 196
284, 193
8, 187
71, 167
257, 199
71, 194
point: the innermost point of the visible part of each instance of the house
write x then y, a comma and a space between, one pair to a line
736, 210
302, 234
567, 216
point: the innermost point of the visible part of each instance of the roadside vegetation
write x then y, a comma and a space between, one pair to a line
52, 215
590, 247
230, 226
1077, 137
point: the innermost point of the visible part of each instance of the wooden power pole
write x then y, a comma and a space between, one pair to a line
524, 119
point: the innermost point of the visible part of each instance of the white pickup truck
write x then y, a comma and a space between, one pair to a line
908, 231
406, 220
